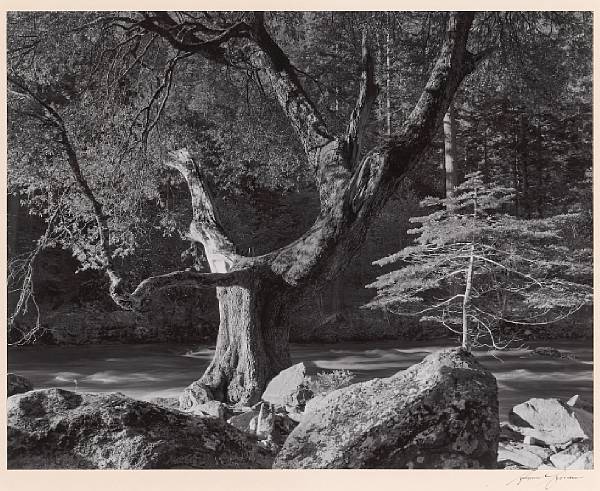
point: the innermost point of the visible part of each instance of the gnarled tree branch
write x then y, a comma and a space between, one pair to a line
183, 279
336, 236
206, 227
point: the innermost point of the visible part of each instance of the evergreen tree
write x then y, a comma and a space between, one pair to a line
474, 268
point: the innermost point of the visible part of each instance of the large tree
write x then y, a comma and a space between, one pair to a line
257, 294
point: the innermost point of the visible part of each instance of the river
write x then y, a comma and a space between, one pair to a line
150, 370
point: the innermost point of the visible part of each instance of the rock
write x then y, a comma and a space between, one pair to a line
295, 415
583, 462
262, 424
573, 457
314, 404
552, 353
440, 413
274, 426
288, 387
17, 384
168, 402
194, 394
509, 432
242, 421
549, 420
578, 402
300, 397
284, 425
585, 420
520, 454
531, 440
215, 409
60, 429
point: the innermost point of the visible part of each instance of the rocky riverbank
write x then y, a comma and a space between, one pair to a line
548, 434
440, 413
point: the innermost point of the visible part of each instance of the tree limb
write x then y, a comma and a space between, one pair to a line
186, 40
453, 64
300, 110
186, 279
206, 226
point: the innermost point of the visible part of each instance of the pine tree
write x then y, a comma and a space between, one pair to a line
474, 268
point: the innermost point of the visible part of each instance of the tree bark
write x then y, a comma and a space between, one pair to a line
450, 151
252, 343
466, 335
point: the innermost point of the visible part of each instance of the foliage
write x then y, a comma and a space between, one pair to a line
474, 266
126, 101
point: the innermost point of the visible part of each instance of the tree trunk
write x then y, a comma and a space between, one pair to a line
466, 335
252, 344
450, 151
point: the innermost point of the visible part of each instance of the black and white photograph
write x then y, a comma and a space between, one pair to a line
300, 239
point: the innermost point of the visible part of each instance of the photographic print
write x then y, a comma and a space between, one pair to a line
299, 240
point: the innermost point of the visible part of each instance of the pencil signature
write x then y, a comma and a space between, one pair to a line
544, 478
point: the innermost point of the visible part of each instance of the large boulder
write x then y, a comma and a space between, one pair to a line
440, 413
551, 421
60, 429
288, 387
17, 384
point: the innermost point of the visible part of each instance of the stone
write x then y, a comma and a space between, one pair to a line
262, 424
518, 453
60, 429
584, 462
552, 352
242, 421
509, 432
579, 402
440, 413
17, 384
531, 440
288, 387
548, 420
576, 456
274, 426
215, 409
194, 394
300, 397
295, 415
585, 420
314, 404
168, 402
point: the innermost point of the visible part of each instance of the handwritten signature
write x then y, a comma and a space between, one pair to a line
547, 479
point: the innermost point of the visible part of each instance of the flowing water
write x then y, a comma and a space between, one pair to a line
151, 370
